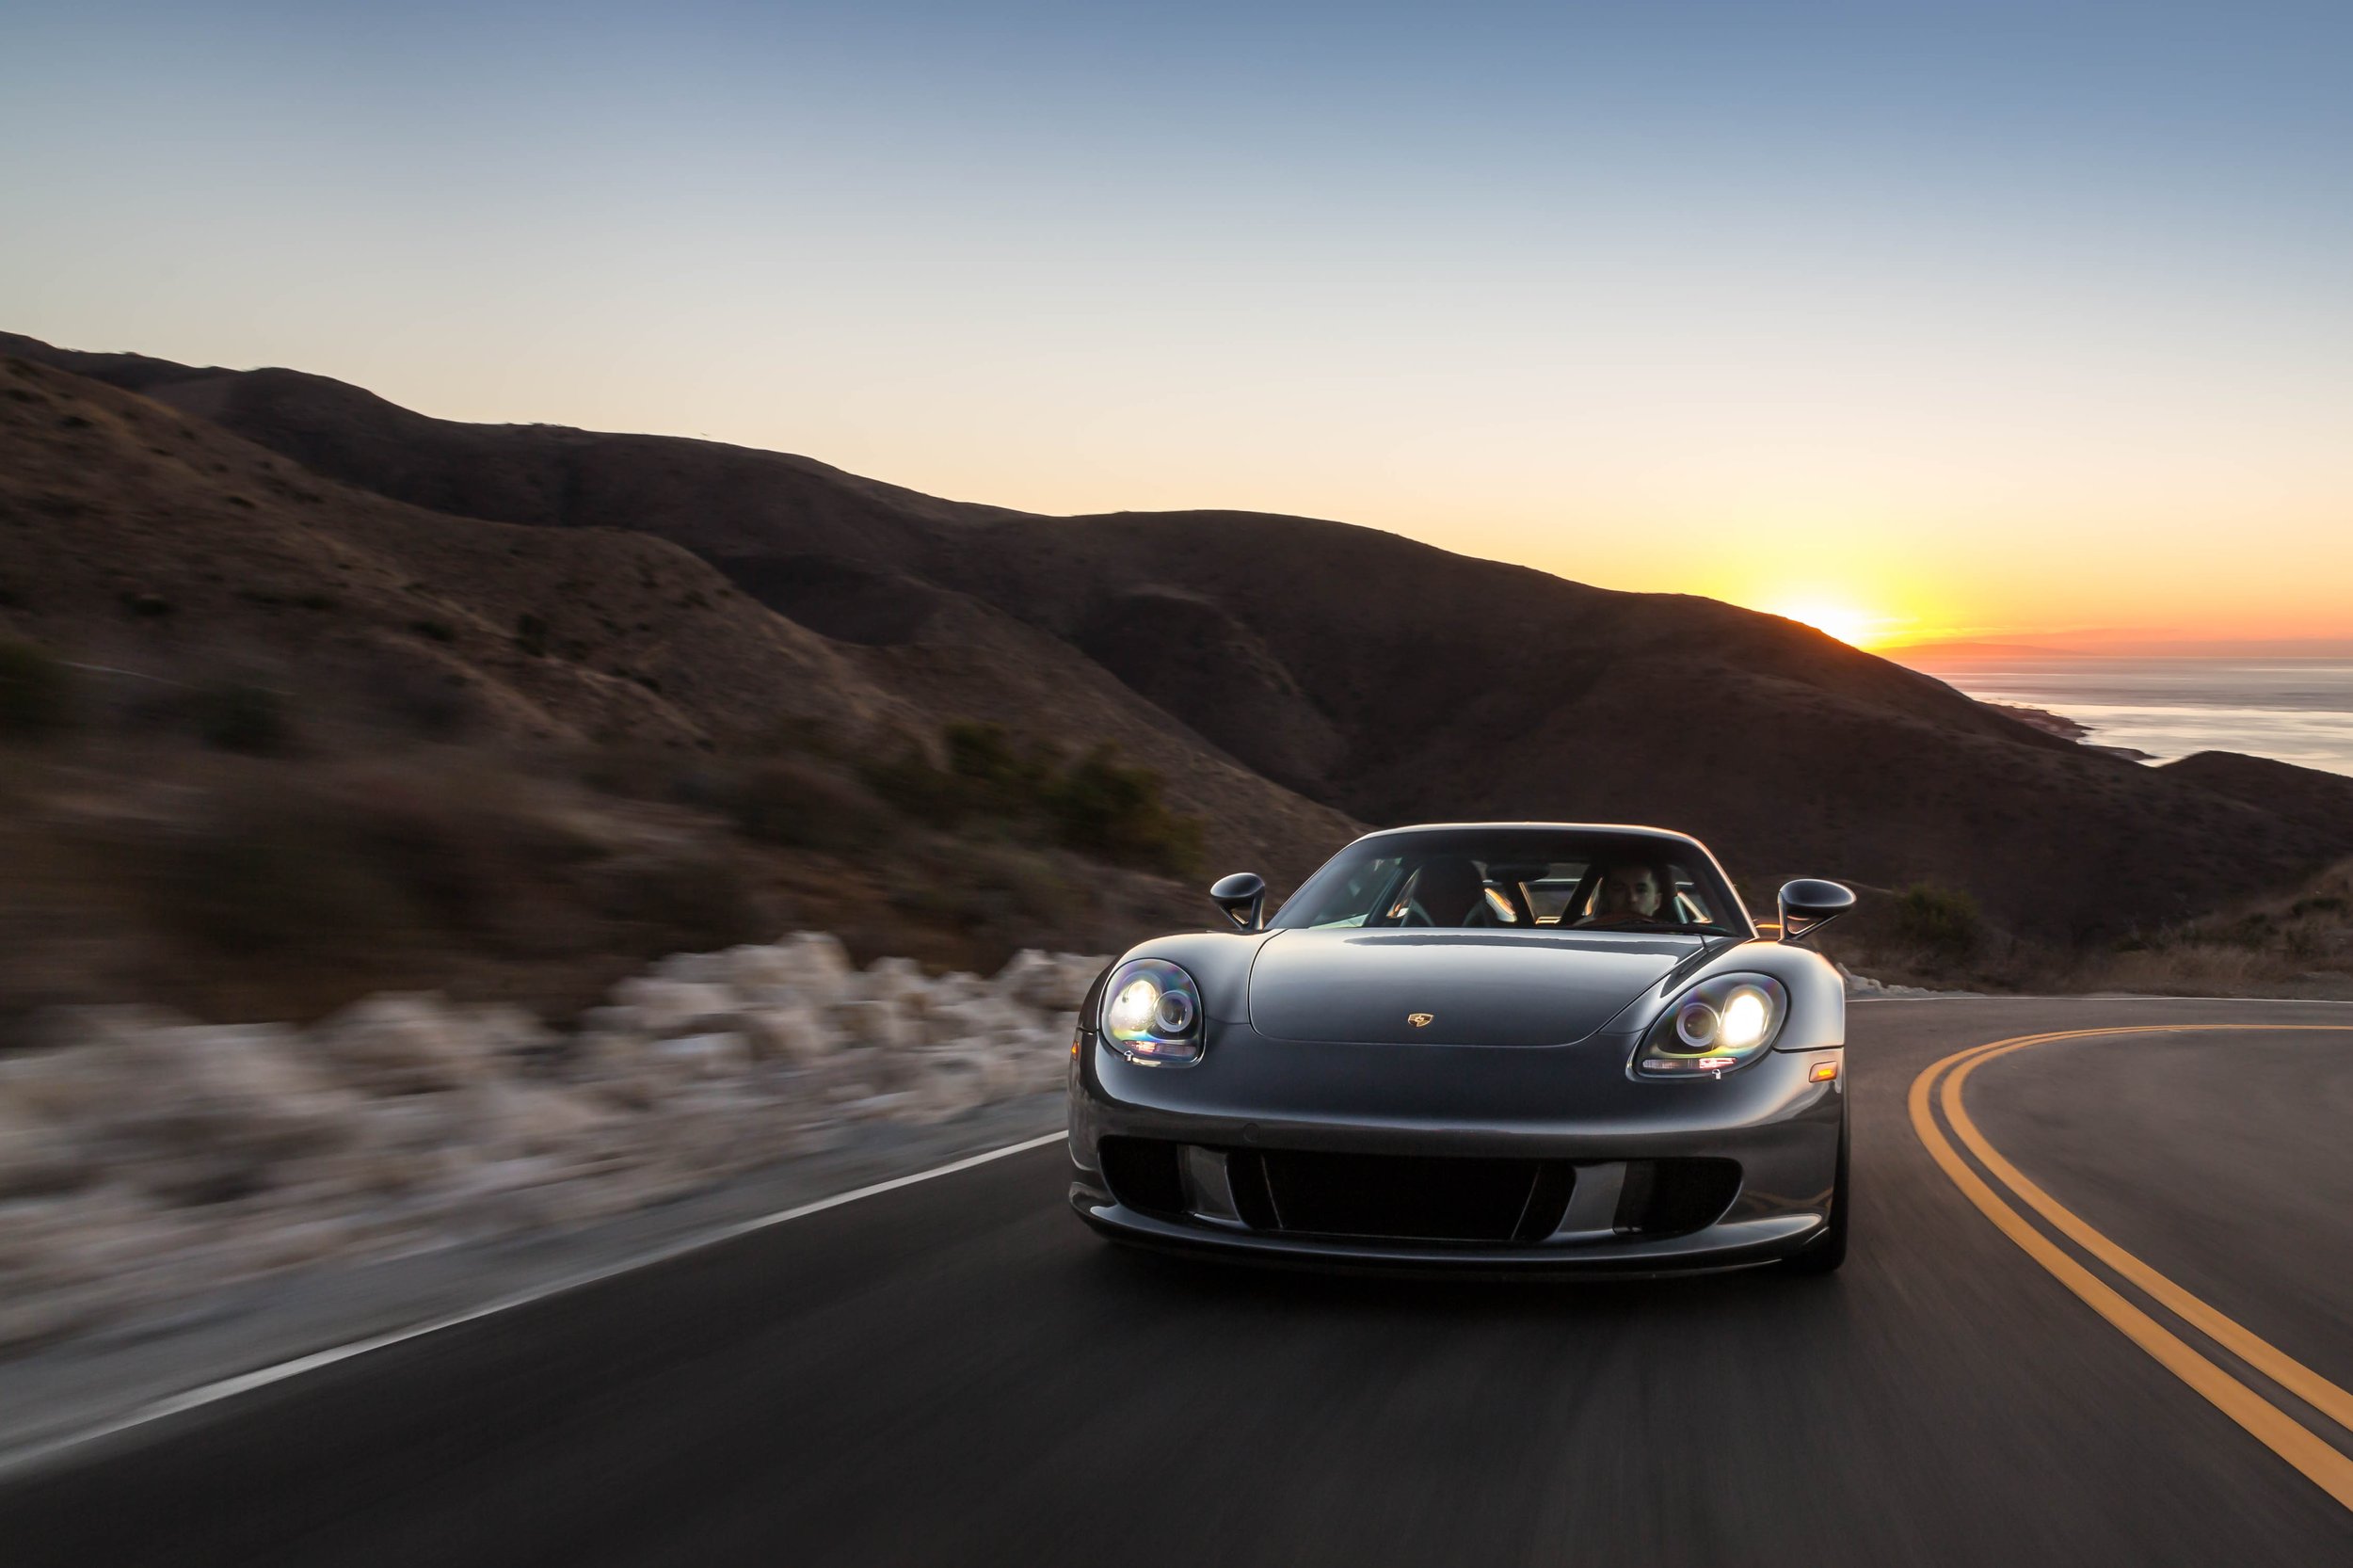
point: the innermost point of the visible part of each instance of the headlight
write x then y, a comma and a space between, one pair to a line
1714, 1027
1152, 1013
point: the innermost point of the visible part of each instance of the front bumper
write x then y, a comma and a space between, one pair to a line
1574, 1111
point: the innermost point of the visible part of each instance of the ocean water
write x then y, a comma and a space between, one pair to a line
2297, 711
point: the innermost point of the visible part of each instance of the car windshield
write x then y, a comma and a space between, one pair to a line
1518, 879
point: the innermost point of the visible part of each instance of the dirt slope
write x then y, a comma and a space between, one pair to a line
144, 538
1386, 679
167, 547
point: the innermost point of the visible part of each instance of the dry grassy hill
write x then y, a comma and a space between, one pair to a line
1384, 679
268, 740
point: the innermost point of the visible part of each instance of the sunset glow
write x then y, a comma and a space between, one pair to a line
1848, 624
2066, 368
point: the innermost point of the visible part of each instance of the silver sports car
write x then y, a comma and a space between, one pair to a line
1505, 1046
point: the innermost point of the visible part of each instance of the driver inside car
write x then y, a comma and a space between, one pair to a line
1629, 893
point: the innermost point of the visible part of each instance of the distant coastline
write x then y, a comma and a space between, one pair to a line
2065, 728
2294, 709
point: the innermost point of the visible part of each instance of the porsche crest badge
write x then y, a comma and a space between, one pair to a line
1419, 1020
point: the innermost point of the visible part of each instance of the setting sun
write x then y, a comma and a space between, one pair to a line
1843, 621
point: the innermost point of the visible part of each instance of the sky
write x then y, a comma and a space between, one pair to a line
1919, 320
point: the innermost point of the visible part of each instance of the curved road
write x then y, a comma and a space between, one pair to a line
955, 1371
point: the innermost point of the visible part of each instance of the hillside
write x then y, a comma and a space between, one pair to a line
249, 563
269, 741
1386, 679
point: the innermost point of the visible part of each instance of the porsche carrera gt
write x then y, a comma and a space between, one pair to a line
1506, 1047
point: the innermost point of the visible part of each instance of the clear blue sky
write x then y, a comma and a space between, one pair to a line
2017, 315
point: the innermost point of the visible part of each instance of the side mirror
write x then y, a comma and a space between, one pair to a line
1806, 904
1242, 896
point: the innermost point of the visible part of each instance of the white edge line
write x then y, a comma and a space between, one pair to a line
34, 1453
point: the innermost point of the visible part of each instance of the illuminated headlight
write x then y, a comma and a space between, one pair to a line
1152, 1013
1716, 1026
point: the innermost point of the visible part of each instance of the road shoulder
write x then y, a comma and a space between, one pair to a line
100, 1381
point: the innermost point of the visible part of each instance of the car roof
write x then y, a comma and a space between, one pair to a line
1630, 830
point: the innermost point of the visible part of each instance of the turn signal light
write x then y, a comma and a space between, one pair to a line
1823, 1072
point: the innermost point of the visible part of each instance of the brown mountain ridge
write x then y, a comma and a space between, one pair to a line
1262, 663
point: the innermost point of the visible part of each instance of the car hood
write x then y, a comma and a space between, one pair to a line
1478, 987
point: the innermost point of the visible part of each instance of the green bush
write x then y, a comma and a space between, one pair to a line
1105, 808
1097, 805
1943, 920
36, 692
988, 774
909, 782
992, 771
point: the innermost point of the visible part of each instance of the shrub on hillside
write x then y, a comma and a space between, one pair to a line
1942, 921
1106, 808
996, 772
36, 692
1097, 805
912, 784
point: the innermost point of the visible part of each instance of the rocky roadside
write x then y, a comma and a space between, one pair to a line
144, 1363
147, 1163
1861, 988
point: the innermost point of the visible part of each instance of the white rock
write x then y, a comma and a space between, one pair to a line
620, 1072
665, 1006
1019, 973
795, 1034
722, 1053
254, 1062
143, 1157
896, 981
695, 968
401, 1044
35, 1156
532, 1119
511, 1035
190, 1112
1055, 981
820, 955
952, 988
748, 969
875, 1023
982, 1019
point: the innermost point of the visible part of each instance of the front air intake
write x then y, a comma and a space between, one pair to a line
1142, 1174
1400, 1197
1675, 1197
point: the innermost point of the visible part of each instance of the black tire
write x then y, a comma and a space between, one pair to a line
1828, 1250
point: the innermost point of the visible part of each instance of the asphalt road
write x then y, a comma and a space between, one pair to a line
957, 1373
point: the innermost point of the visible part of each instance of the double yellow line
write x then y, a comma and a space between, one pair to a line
2281, 1432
